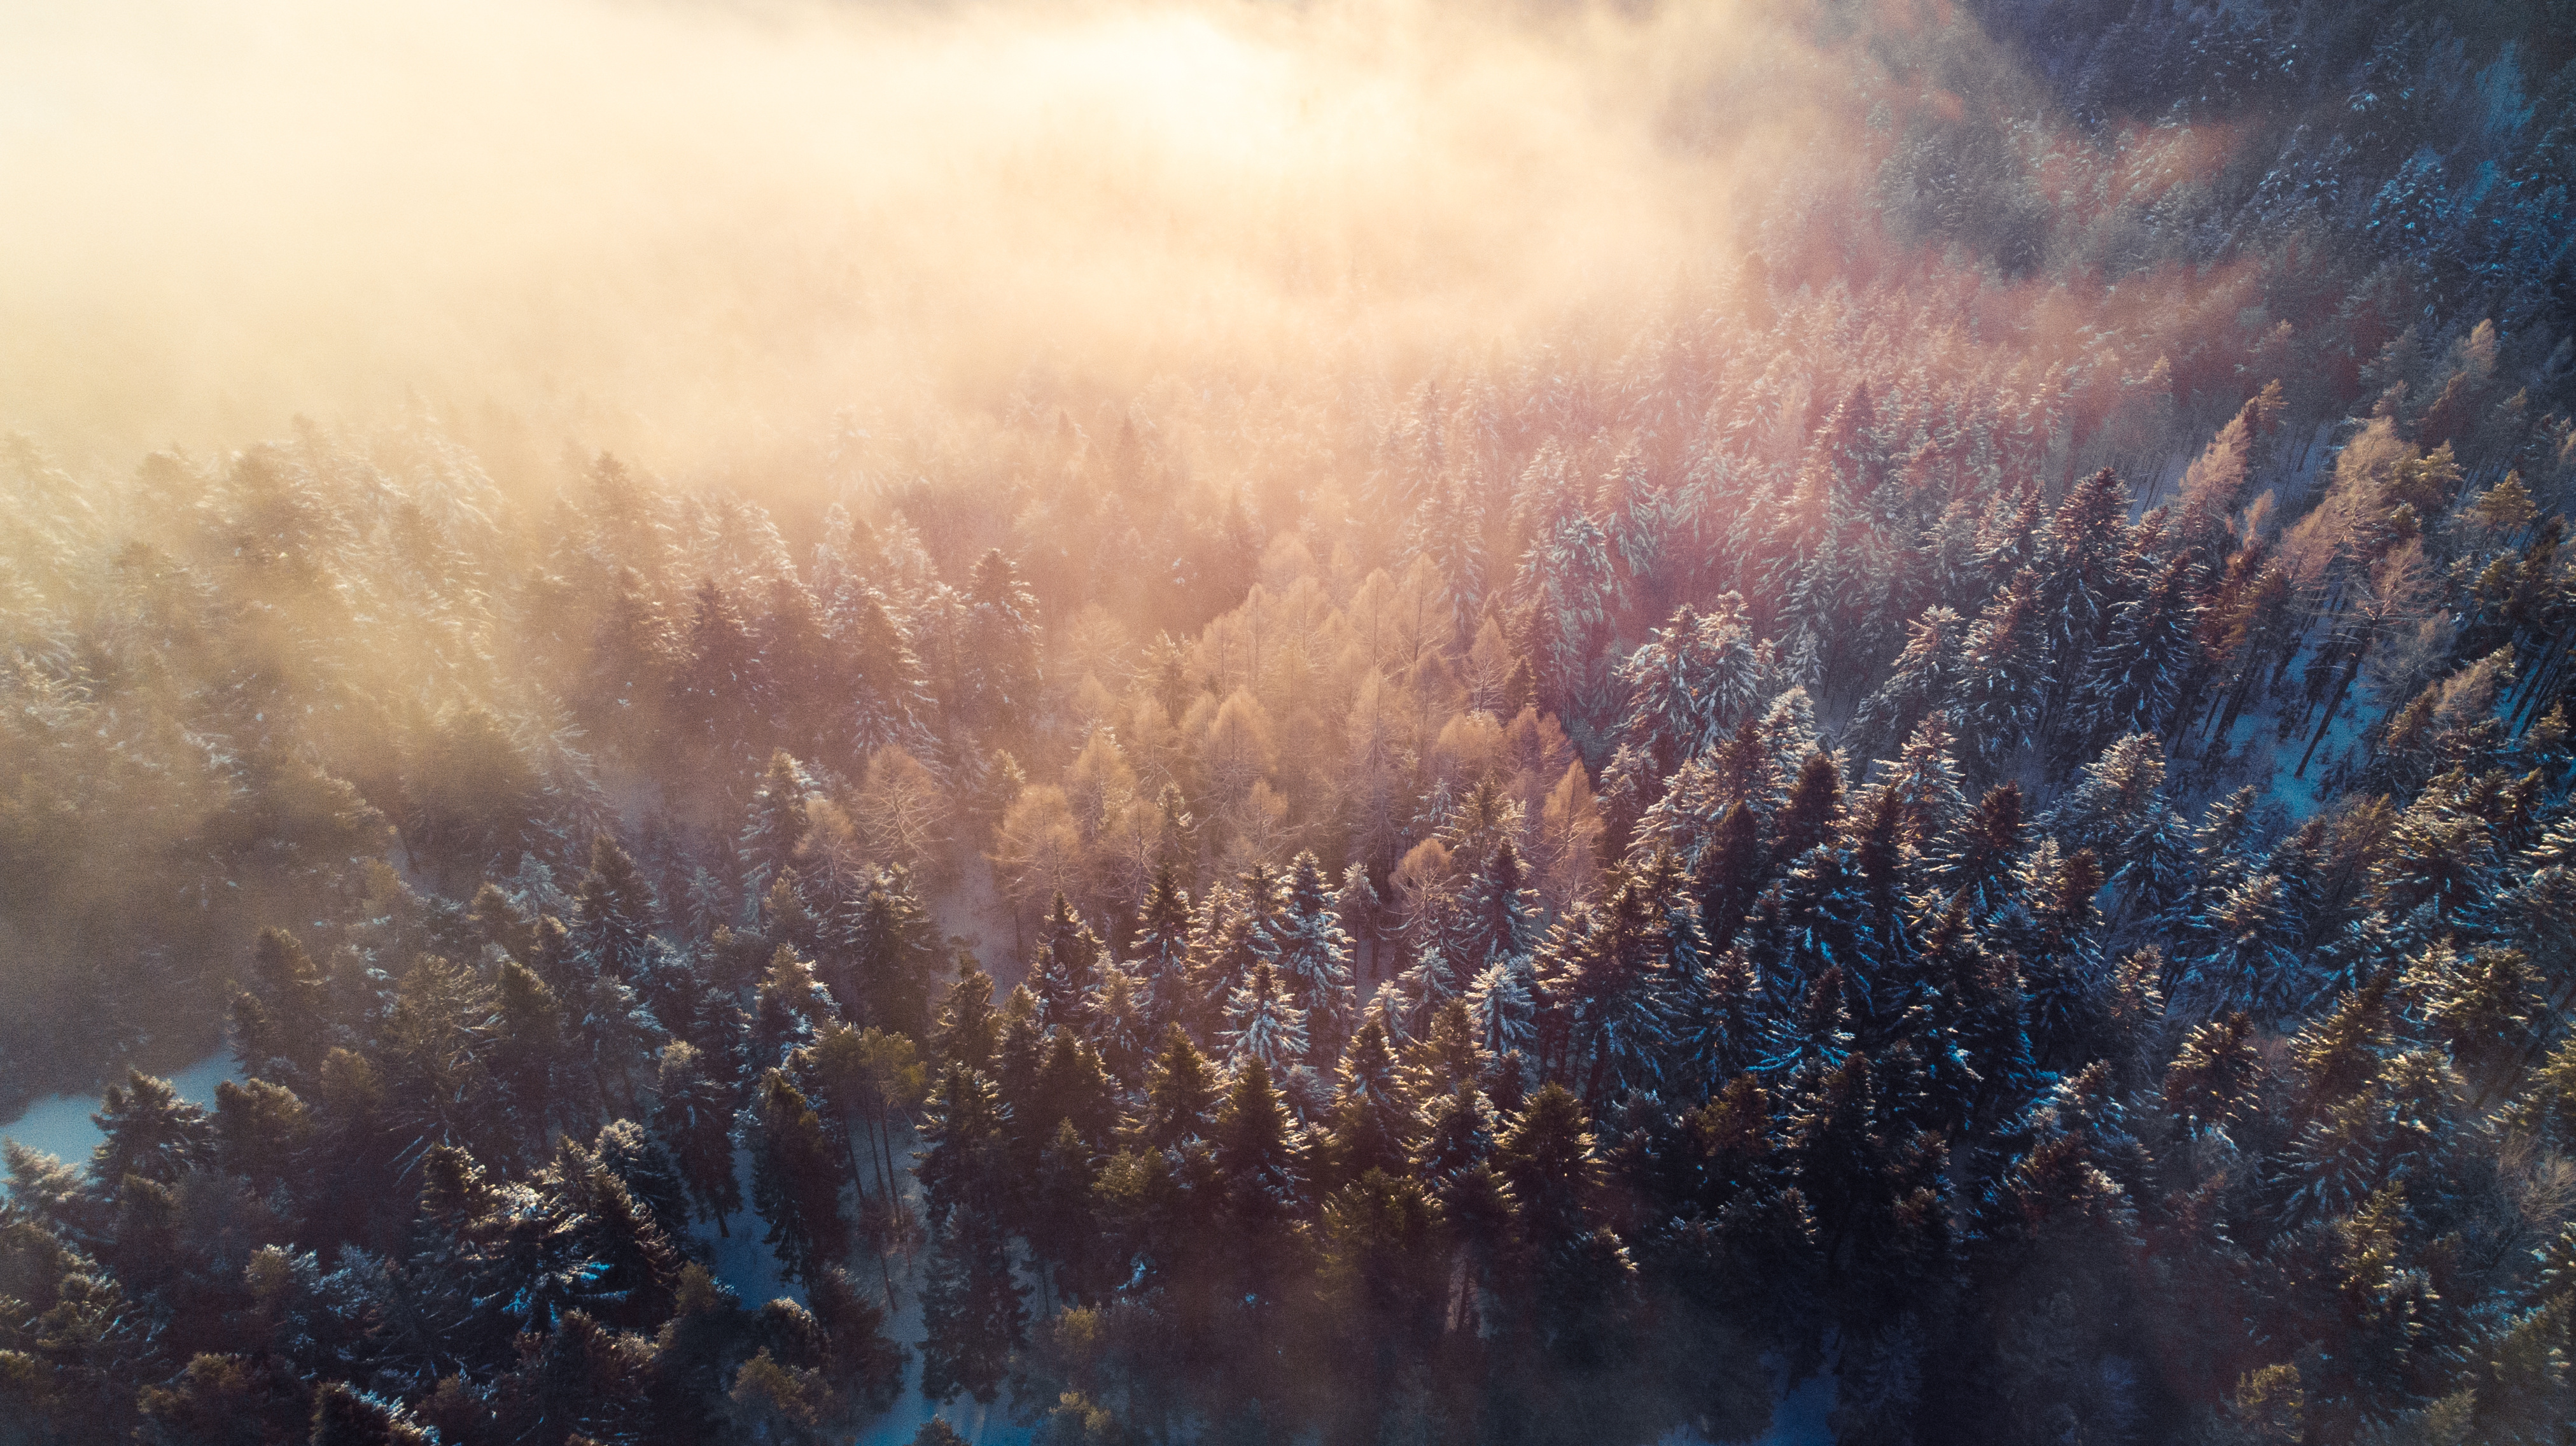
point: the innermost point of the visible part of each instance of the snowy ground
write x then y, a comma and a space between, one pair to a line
742, 1262
1799, 1417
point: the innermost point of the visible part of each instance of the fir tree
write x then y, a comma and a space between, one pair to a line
1547, 1158
1719, 1033
1067, 968
1161, 953
1918, 683
961, 1166
1263, 1026
1180, 1096
891, 704
1001, 644
972, 1312
1371, 1124
892, 945
774, 825
2001, 679
1257, 1155
1729, 874
2081, 581
343, 1416
1312, 955
2236, 955
1496, 918
1617, 984
795, 1183
281, 1031
2215, 1075
2135, 677
1122, 1027
528, 1045
1977, 864
649, 1173
1503, 1002
1925, 785
1567, 575
1813, 809
719, 693
149, 1133
261, 1131
1688, 683
968, 1029
2117, 810
615, 910
1070, 1086
789, 1009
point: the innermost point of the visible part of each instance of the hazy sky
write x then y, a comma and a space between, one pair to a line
688, 222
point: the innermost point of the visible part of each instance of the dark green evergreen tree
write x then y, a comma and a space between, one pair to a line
795, 1181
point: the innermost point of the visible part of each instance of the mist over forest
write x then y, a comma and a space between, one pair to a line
1370, 721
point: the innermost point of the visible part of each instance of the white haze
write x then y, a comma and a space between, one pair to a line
682, 227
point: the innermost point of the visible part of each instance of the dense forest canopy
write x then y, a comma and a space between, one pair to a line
1915, 732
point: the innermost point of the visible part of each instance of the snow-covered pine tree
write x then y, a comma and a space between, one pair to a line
1813, 810
789, 1008
1501, 1000
1925, 783
615, 910
1160, 954
1359, 911
2007, 533
1704, 790
890, 702
807, 676
1975, 864
2117, 810
774, 824
2081, 580
1789, 736
1633, 509
1001, 647
1066, 969
1813, 1036
1663, 713
693, 1110
1688, 683
2002, 679
1729, 874
1313, 957
1262, 1024
1719, 1029
2053, 933
2222, 857
1449, 528
1609, 970
1919, 682
1256, 1146
893, 950
1372, 1124
2151, 645
1237, 928
1421, 990
719, 691
2233, 955
1496, 915
795, 1179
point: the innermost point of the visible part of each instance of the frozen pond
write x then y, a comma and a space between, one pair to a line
60, 1125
